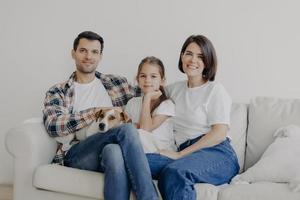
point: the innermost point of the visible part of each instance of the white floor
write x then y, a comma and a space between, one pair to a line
5, 192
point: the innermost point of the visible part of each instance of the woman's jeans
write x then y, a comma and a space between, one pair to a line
119, 154
176, 178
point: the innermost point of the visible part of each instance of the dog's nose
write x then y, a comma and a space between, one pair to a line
101, 126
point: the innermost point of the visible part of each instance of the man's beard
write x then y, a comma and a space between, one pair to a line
86, 70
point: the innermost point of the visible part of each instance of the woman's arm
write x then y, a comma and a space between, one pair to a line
147, 122
215, 136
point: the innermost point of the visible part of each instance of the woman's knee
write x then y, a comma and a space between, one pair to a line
176, 183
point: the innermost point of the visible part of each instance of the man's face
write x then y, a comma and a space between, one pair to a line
87, 55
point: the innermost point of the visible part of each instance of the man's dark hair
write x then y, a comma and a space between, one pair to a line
90, 36
209, 55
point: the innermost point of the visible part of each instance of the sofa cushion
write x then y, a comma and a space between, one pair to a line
237, 132
90, 184
266, 115
280, 162
258, 191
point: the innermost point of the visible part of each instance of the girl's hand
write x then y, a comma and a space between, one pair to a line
153, 95
171, 154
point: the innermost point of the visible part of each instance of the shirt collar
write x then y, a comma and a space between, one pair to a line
72, 78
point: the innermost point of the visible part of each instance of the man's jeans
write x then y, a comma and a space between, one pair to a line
119, 154
176, 178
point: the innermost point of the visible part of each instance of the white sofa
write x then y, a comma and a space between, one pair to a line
252, 126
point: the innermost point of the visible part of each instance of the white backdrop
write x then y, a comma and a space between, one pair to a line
257, 44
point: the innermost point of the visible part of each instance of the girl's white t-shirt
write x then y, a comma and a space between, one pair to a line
160, 138
196, 109
90, 95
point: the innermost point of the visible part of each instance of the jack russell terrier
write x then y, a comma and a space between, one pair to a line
105, 120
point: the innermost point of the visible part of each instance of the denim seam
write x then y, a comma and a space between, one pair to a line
129, 173
133, 185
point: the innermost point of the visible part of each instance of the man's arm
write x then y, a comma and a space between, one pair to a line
59, 120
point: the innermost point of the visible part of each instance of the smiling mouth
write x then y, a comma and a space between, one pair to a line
192, 67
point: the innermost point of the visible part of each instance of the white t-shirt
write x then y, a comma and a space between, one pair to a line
90, 95
160, 138
198, 108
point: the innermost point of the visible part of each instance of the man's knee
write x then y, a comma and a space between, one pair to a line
128, 131
112, 156
128, 128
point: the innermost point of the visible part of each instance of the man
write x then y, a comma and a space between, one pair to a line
71, 105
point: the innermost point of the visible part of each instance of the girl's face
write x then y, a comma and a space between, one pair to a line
149, 78
192, 63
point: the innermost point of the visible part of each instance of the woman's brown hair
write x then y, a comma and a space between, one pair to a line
209, 55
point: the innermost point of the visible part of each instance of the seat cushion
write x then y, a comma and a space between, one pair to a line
69, 180
258, 191
90, 184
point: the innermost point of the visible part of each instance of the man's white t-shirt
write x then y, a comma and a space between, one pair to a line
198, 108
90, 95
160, 138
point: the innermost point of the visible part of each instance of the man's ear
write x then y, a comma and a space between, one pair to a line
73, 53
125, 117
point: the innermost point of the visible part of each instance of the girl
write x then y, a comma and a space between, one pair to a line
152, 111
201, 123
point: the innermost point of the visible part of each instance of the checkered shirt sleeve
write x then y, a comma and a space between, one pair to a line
58, 118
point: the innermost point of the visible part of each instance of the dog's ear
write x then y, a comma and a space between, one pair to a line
125, 117
99, 114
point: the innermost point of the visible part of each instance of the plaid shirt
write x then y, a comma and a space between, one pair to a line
59, 117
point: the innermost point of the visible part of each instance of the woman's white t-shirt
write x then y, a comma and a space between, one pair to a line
160, 138
196, 109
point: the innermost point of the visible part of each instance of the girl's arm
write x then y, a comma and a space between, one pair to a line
147, 122
215, 136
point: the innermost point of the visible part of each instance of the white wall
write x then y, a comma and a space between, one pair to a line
257, 43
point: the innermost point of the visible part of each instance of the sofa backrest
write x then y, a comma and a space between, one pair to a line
237, 132
266, 115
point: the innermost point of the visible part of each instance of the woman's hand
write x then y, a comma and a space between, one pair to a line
171, 154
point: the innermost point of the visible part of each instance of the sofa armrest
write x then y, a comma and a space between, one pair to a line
30, 141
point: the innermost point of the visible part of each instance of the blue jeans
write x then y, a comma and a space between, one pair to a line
176, 178
119, 154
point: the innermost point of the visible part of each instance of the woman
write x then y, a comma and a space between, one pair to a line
200, 126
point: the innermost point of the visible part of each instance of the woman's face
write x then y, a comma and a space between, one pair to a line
192, 63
